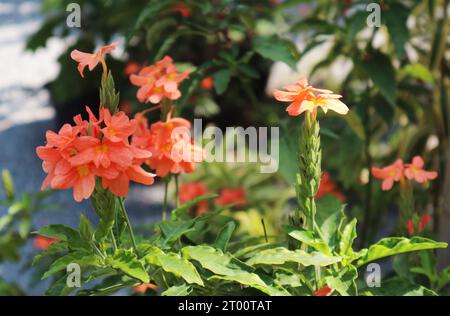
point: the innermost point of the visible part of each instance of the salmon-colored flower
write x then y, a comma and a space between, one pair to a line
414, 171
304, 97
172, 147
90, 60
98, 148
189, 191
142, 288
43, 242
324, 291
327, 186
158, 81
389, 174
236, 196
207, 83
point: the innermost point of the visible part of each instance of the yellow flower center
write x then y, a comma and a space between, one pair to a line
83, 171
172, 76
112, 131
101, 149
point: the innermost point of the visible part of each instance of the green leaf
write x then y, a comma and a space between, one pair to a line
73, 237
329, 214
224, 235
171, 230
181, 211
356, 23
347, 238
86, 229
307, 237
178, 290
396, 17
53, 249
175, 264
343, 281
127, 262
221, 80
396, 245
379, 68
281, 255
400, 287
277, 49
82, 258
418, 71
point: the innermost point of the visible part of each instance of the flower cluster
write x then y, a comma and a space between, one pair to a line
398, 171
158, 81
77, 155
170, 144
306, 98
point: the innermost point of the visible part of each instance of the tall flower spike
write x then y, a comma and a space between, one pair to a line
91, 60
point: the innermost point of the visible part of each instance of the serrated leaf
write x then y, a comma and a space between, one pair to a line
396, 245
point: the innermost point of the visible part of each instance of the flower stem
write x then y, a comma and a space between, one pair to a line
166, 189
177, 189
113, 239
130, 229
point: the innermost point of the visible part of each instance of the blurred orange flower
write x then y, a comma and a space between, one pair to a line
389, 174
236, 196
90, 60
142, 288
207, 83
189, 191
42, 242
414, 171
327, 186
158, 81
323, 291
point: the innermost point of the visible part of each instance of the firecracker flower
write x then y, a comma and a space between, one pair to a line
158, 81
236, 196
323, 291
91, 60
191, 190
43, 242
306, 98
328, 187
99, 148
399, 171
423, 221
172, 148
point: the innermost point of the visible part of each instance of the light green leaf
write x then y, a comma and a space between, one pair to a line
396, 245
281, 255
86, 229
418, 71
127, 262
347, 238
307, 237
343, 281
178, 290
175, 264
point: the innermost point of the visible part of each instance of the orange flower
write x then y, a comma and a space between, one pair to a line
327, 186
424, 220
131, 68
158, 81
414, 171
189, 191
76, 156
90, 60
389, 174
42, 242
410, 227
182, 8
207, 83
172, 147
236, 196
323, 291
142, 288
304, 97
